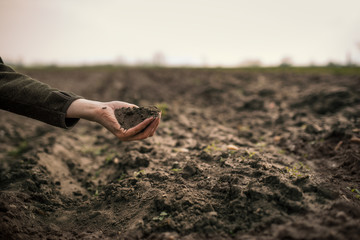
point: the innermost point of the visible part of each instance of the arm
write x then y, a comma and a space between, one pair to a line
28, 97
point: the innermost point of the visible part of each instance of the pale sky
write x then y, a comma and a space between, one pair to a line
198, 32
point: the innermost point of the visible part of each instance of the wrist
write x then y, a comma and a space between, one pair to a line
83, 108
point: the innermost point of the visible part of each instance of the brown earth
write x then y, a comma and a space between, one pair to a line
130, 117
239, 154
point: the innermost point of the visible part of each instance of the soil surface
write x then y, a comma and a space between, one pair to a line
239, 154
130, 117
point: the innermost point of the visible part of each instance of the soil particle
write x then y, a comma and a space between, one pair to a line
130, 117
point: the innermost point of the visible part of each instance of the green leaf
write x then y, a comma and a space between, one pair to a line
163, 214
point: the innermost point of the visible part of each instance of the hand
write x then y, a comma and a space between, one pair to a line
103, 113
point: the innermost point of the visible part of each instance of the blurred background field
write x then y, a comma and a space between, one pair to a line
181, 33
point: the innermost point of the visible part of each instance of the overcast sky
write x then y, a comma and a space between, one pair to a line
226, 32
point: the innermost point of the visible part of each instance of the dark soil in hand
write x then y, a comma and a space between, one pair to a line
239, 154
130, 117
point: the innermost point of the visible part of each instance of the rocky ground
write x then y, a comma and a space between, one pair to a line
239, 154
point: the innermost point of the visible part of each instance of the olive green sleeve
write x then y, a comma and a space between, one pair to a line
23, 95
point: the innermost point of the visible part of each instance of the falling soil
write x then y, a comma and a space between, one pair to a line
239, 154
130, 117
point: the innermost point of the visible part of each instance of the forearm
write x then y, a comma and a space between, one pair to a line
86, 109
23, 95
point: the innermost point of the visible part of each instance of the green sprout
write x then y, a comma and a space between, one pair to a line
109, 157
298, 170
139, 173
160, 217
250, 154
22, 148
96, 193
176, 169
282, 151
164, 108
123, 176
261, 144
211, 148
232, 152
94, 151
355, 191
97, 174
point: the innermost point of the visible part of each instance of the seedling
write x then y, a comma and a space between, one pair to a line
94, 151
282, 151
97, 174
232, 152
250, 154
139, 173
211, 148
355, 191
160, 217
109, 157
298, 170
123, 176
22, 148
96, 193
261, 144
164, 108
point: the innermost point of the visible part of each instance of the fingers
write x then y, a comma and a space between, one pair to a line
147, 132
156, 126
138, 128
119, 104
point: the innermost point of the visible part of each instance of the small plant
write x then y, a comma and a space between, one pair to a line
109, 157
123, 176
247, 155
97, 174
139, 173
22, 148
94, 151
282, 151
211, 148
232, 152
261, 144
355, 191
164, 108
298, 170
96, 193
250, 154
160, 217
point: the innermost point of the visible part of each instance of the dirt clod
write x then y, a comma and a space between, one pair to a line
130, 117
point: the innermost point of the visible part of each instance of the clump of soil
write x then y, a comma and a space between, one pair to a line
130, 117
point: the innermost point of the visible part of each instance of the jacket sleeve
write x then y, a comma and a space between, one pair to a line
23, 95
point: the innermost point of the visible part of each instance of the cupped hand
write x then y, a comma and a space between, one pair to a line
103, 113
